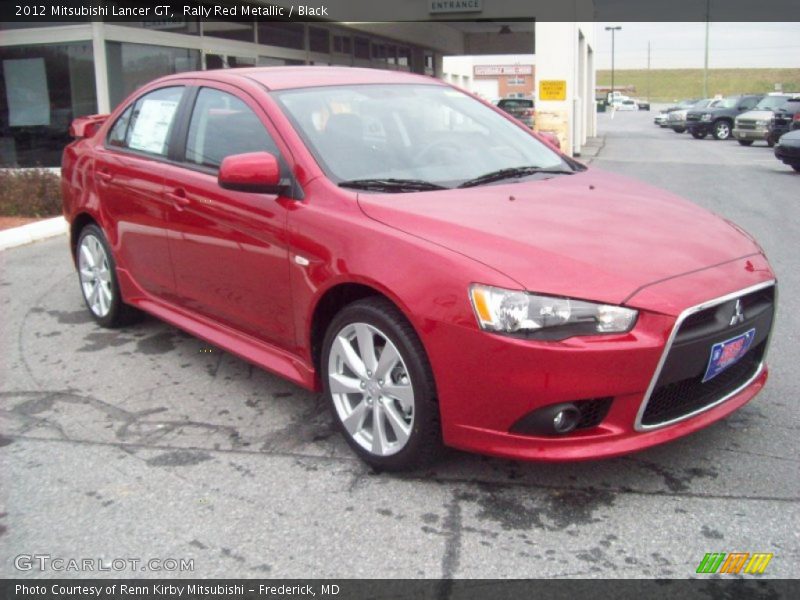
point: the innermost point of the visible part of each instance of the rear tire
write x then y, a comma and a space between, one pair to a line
380, 387
97, 275
745, 142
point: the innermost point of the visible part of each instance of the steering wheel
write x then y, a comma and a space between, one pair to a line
435, 153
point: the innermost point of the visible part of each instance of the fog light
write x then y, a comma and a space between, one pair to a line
565, 420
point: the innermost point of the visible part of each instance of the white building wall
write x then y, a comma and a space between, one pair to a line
561, 56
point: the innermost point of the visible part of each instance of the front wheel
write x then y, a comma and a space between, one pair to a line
698, 135
679, 129
796, 167
380, 386
98, 279
721, 130
745, 142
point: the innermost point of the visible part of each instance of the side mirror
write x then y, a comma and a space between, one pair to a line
255, 172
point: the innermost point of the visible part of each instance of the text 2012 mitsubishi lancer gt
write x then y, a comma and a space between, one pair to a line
440, 272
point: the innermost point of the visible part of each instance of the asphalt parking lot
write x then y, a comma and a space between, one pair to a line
146, 443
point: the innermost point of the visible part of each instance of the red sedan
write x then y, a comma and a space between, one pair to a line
436, 269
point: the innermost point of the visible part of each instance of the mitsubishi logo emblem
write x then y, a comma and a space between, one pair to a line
738, 315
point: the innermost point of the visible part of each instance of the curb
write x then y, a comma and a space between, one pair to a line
32, 232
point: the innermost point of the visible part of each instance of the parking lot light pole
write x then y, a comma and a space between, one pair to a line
612, 30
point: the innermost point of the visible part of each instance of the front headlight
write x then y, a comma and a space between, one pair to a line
545, 317
762, 123
706, 117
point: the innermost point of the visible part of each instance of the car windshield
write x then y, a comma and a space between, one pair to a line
729, 102
428, 134
771, 102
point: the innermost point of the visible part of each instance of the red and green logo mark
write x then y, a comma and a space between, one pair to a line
733, 563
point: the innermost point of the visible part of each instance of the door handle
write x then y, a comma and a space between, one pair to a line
104, 176
178, 196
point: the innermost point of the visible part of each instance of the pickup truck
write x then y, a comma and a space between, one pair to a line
718, 120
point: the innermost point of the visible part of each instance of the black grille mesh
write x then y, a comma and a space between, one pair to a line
688, 395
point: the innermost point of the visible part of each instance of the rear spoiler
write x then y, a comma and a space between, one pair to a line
84, 127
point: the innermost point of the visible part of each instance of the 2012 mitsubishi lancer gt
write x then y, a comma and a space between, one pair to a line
440, 272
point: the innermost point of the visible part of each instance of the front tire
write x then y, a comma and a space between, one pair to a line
745, 142
380, 387
721, 130
679, 129
698, 135
97, 274
796, 167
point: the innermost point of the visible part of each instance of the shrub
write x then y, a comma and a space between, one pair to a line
29, 193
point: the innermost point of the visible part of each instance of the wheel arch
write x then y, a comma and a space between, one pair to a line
334, 299
80, 221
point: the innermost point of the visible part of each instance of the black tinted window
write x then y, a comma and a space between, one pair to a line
146, 125
222, 125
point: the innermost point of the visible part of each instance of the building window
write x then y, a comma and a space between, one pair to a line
361, 48
516, 81
42, 89
404, 56
285, 35
243, 31
223, 61
342, 44
319, 40
132, 65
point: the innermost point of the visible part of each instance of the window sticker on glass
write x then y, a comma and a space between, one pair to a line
152, 125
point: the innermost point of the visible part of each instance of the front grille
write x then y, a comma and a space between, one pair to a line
745, 124
679, 389
688, 395
691, 117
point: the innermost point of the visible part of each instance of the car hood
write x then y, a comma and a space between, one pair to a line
765, 115
792, 137
591, 235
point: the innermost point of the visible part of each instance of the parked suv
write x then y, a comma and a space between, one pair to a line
785, 120
718, 121
676, 119
520, 108
754, 125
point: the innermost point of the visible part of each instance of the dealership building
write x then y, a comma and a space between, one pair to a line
53, 72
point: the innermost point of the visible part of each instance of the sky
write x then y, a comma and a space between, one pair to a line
681, 45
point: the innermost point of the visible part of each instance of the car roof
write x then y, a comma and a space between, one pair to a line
283, 78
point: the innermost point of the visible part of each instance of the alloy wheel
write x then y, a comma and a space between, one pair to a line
95, 275
722, 130
371, 389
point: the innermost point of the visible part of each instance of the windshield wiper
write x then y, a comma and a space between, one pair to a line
392, 185
512, 173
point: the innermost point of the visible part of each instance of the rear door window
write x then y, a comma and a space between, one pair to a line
223, 125
145, 126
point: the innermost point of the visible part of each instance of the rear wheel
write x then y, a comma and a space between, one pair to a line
745, 142
380, 386
98, 279
721, 130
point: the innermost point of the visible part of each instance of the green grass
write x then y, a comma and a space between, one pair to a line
668, 85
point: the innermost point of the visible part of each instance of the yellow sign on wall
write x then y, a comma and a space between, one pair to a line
553, 89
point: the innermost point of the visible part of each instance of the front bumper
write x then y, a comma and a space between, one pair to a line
488, 382
698, 127
755, 135
788, 154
